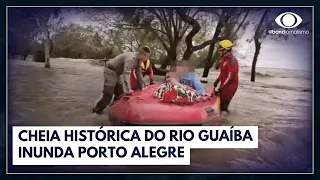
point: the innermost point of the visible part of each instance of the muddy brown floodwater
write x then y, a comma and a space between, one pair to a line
279, 103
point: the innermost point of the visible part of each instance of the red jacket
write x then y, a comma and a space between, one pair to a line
146, 68
229, 70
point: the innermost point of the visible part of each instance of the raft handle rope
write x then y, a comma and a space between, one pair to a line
130, 98
140, 98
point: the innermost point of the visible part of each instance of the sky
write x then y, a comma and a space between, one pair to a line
294, 53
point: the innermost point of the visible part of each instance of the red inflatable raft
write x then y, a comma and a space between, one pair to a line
143, 109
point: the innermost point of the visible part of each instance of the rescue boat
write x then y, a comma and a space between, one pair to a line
143, 109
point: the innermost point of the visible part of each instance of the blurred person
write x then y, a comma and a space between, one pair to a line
171, 73
117, 77
146, 68
228, 77
185, 77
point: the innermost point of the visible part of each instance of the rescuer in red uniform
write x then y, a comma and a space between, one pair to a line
228, 76
146, 68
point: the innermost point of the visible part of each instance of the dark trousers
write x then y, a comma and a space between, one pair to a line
112, 85
226, 96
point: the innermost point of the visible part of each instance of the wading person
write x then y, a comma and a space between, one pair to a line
146, 68
117, 77
228, 76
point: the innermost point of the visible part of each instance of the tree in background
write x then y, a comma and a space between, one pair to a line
229, 26
20, 40
234, 29
261, 34
76, 41
48, 22
170, 26
40, 24
172, 33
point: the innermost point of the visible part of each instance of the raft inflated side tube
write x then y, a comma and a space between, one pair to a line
131, 110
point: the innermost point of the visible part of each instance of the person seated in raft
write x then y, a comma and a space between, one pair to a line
185, 77
172, 73
174, 91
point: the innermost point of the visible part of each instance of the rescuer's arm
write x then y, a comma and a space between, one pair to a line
231, 69
150, 73
215, 84
219, 77
138, 72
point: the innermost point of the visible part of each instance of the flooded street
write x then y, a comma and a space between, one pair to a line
279, 103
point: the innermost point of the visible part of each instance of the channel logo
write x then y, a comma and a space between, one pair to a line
288, 20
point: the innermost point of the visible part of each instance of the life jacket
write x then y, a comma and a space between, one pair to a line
145, 67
